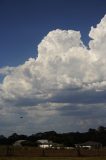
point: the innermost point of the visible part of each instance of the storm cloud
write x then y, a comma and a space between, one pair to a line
66, 83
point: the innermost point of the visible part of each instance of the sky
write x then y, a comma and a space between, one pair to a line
52, 65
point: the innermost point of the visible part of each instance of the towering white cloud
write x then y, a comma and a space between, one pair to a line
98, 42
66, 81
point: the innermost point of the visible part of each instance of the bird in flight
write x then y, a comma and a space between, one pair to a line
21, 117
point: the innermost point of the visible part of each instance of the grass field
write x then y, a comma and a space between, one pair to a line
31, 153
50, 158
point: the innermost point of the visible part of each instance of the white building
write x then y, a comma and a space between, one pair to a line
43, 143
89, 145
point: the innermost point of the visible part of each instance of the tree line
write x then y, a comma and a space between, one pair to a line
67, 139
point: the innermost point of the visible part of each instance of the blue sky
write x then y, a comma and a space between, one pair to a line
24, 23
52, 65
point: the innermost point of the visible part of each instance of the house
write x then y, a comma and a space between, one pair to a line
89, 145
19, 142
43, 143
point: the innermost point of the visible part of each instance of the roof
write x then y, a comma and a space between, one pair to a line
44, 141
89, 143
18, 142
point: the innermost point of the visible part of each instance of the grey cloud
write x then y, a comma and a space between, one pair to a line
82, 96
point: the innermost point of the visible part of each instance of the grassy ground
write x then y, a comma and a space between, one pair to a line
50, 158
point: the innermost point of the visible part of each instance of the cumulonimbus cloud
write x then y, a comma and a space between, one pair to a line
65, 74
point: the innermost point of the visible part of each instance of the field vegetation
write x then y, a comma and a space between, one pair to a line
51, 158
